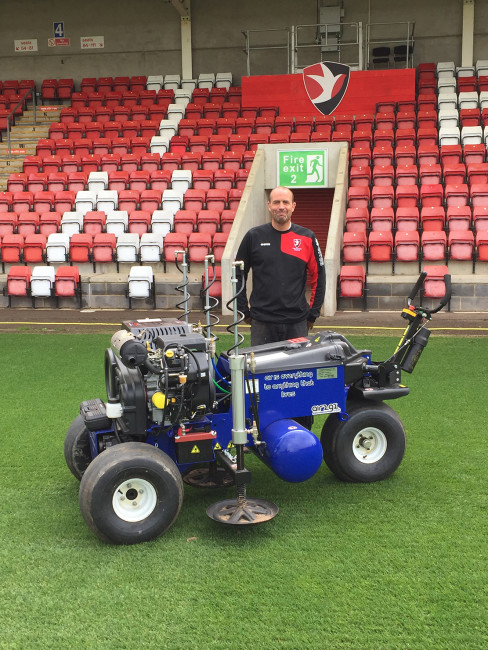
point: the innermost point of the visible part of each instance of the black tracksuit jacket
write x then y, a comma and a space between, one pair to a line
280, 263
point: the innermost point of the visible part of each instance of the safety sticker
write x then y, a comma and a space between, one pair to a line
195, 450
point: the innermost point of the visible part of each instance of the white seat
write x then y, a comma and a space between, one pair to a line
85, 201
140, 281
159, 144
189, 84
127, 247
449, 135
223, 80
447, 100
468, 100
448, 117
182, 96
445, 69
471, 135
446, 85
151, 247
483, 99
162, 222
172, 200
117, 222
465, 71
206, 80
71, 223
481, 66
175, 112
57, 247
155, 82
97, 181
42, 281
168, 128
181, 180
107, 201
172, 81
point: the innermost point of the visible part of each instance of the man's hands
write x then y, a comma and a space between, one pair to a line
310, 325
248, 320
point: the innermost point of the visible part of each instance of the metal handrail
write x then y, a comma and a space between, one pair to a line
340, 43
408, 41
22, 100
249, 48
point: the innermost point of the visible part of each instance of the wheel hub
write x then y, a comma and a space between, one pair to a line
134, 500
369, 445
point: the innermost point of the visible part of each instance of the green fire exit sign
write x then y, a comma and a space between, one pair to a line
302, 168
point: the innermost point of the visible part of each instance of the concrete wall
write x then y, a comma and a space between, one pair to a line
143, 36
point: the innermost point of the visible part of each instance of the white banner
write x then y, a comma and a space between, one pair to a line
92, 42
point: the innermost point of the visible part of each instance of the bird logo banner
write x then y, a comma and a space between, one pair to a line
326, 84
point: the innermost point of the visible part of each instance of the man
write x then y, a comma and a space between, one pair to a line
281, 254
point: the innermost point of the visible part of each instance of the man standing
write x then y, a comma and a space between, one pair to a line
281, 254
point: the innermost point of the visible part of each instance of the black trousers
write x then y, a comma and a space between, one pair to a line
262, 332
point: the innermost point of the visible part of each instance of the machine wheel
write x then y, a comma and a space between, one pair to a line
77, 447
367, 447
131, 493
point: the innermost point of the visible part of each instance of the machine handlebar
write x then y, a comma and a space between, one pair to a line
444, 300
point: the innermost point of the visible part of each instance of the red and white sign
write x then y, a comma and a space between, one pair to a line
26, 45
47, 109
58, 42
18, 151
92, 42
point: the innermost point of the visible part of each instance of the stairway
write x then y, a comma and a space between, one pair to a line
23, 139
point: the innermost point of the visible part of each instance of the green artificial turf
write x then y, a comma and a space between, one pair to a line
392, 565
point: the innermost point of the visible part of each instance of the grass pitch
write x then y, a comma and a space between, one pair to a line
392, 565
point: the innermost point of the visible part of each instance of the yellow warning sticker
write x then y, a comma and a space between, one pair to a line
195, 450
217, 446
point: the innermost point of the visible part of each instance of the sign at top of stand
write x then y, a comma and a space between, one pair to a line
92, 42
306, 168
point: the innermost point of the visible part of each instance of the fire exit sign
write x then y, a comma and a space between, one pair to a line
306, 168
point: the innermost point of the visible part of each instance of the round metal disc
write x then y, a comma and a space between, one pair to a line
252, 511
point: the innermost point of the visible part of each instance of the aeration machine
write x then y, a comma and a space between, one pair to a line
176, 413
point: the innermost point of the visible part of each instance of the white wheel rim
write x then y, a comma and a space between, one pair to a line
369, 445
134, 500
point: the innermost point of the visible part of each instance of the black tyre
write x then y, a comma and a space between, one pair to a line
367, 447
77, 447
131, 493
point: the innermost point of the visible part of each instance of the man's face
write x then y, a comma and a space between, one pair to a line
281, 206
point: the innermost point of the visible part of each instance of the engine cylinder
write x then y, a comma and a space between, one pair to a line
292, 452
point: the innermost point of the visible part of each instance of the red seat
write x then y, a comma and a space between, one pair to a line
454, 173
67, 283
215, 281
70, 163
427, 154
451, 154
383, 155
383, 175
358, 197
407, 196
21, 201
217, 200
383, 137
458, 217
461, 245
352, 282
80, 245
231, 160
360, 176
407, 244
433, 245
57, 182
208, 221
382, 196
474, 153
406, 174
91, 163
138, 180
94, 222
191, 160
103, 247
128, 200
170, 161
160, 179
360, 156
34, 248
284, 124
432, 218
150, 200
17, 182
482, 246
457, 194
406, 137
480, 218
199, 246
434, 283
407, 120
139, 221
382, 218
224, 179
430, 174
407, 219
478, 173
380, 246
431, 195
27, 223
36, 182
185, 221
77, 181
226, 220
174, 242
194, 199
219, 242
49, 222
405, 155
218, 142
8, 223
18, 282
202, 179
43, 201
150, 161
357, 219
354, 247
